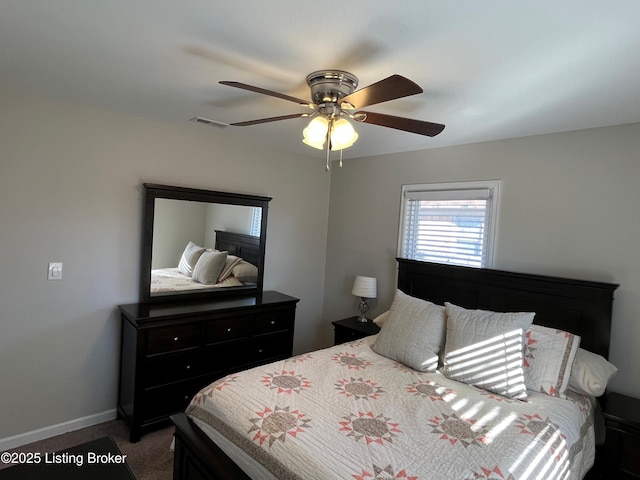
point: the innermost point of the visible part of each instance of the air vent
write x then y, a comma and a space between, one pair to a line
207, 121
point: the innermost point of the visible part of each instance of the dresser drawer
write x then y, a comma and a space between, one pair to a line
267, 347
164, 401
271, 322
170, 339
225, 329
162, 369
227, 355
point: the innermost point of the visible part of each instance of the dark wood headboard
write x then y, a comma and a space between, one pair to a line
577, 306
240, 245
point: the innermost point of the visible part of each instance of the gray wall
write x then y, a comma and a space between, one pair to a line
70, 191
569, 207
175, 224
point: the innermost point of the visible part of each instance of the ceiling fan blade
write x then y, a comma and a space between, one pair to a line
270, 119
390, 88
251, 88
400, 123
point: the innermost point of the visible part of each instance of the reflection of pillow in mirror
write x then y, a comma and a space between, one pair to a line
245, 272
486, 349
209, 266
189, 258
231, 262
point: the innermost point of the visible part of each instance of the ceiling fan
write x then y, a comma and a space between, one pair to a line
334, 98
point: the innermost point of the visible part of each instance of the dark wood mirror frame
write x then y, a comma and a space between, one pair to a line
154, 191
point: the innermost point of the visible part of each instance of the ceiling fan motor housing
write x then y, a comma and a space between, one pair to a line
329, 86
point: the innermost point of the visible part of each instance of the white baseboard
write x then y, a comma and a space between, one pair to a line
53, 430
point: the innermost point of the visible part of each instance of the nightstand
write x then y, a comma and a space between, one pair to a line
350, 329
622, 443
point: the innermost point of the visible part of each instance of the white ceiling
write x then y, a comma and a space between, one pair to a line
490, 69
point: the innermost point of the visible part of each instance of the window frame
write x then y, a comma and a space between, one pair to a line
492, 211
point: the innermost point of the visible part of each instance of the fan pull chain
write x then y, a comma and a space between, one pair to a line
328, 166
329, 128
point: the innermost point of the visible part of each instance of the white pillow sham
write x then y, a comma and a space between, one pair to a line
548, 359
209, 266
486, 349
380, 319
245, 272
189, 258
227, 269
413, 333
591, 373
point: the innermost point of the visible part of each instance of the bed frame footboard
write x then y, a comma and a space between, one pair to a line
196, 457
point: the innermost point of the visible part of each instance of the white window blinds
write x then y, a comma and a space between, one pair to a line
256, 221
448, 225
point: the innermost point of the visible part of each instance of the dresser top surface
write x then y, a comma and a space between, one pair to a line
155, 311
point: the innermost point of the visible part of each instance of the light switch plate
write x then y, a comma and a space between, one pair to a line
55, 271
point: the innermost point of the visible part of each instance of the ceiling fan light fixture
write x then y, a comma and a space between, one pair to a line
316, 133
343, 135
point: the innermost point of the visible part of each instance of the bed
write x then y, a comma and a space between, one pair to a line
242, 248
350, 412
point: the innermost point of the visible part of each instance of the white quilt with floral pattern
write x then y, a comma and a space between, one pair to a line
171, 280
346, 412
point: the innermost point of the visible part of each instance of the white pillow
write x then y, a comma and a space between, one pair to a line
189, 258
245, 272
486, 349
413, 333
209, 266
591, 373
380, 319
230, 262
548, 358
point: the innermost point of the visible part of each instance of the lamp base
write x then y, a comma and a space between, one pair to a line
363, 308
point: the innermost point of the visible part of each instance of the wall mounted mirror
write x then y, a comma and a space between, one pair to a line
201, 244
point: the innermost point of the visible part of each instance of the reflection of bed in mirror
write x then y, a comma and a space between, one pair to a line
239, 269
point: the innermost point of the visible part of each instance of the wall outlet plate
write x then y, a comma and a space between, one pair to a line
55, 271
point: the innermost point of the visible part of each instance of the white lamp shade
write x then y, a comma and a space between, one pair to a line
342, 135
365, 287
316, 133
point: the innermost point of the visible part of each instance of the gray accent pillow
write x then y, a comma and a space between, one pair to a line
486, 349
189, 258
413, 333
209, 267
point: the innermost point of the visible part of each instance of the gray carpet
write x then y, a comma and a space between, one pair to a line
149, 459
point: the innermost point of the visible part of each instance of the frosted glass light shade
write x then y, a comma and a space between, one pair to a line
316, 133
342, 135
365, 287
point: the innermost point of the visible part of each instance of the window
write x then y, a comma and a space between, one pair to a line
256, 221
449, 222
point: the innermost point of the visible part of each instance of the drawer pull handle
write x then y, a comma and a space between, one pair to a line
187, 367
273, 322
259, 350
175, 339
228, 330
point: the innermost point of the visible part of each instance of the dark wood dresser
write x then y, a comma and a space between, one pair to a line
170, 351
